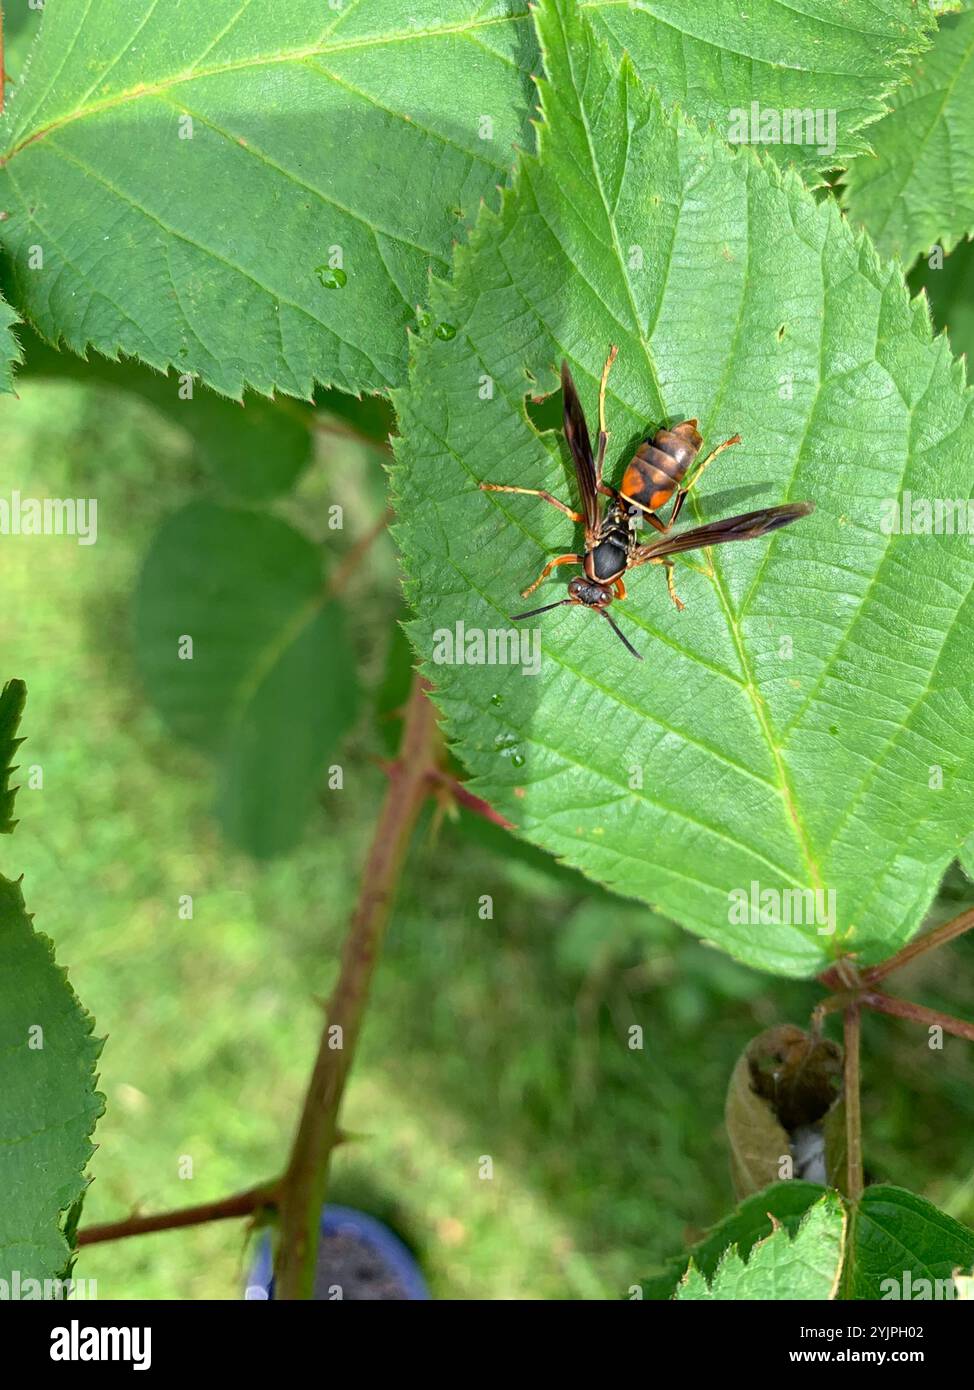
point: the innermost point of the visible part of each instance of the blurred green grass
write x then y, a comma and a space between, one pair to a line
505, 1037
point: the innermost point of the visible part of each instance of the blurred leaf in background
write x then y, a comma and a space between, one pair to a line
244, 652
949, 284
21, 23
251, 451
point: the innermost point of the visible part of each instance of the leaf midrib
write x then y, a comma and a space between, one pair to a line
733, 618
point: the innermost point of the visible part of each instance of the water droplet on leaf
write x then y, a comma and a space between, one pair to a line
446, 331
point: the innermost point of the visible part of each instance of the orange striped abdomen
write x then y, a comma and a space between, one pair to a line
659, 465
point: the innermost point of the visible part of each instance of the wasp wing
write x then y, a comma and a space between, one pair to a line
746, 527
580, 444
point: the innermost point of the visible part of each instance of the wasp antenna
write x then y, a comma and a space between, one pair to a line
533, 613
620, 634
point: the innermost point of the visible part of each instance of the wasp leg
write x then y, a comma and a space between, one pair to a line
603, 432
671, 587
620, 588
534, 492
552, 564
698, 473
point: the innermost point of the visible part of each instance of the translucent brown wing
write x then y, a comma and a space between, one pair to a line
580, 444
747, 527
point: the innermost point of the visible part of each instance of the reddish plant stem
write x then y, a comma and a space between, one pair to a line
853, 1113
929, 941
904, 1008
467, 799
241, 1204
304, 1184
302, 1188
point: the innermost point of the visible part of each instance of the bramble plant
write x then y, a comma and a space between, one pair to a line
351, 221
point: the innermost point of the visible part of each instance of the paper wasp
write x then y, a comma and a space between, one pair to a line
653, 478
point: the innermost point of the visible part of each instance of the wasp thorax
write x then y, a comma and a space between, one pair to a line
608, 561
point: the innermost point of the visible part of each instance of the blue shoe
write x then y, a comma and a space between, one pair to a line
359, 1258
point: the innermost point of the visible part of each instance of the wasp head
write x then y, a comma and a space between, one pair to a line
590, 595
582, 590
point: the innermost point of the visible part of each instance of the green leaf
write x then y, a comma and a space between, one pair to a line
364, 129
365, 132
270, 686
50, 1105
804, 1266
783, 1204
12, 700
918, 188
892, 1235
9, 347
781, 731
715, 60
47, 1075
897, 1240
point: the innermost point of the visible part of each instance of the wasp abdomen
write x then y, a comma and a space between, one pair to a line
659, 464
